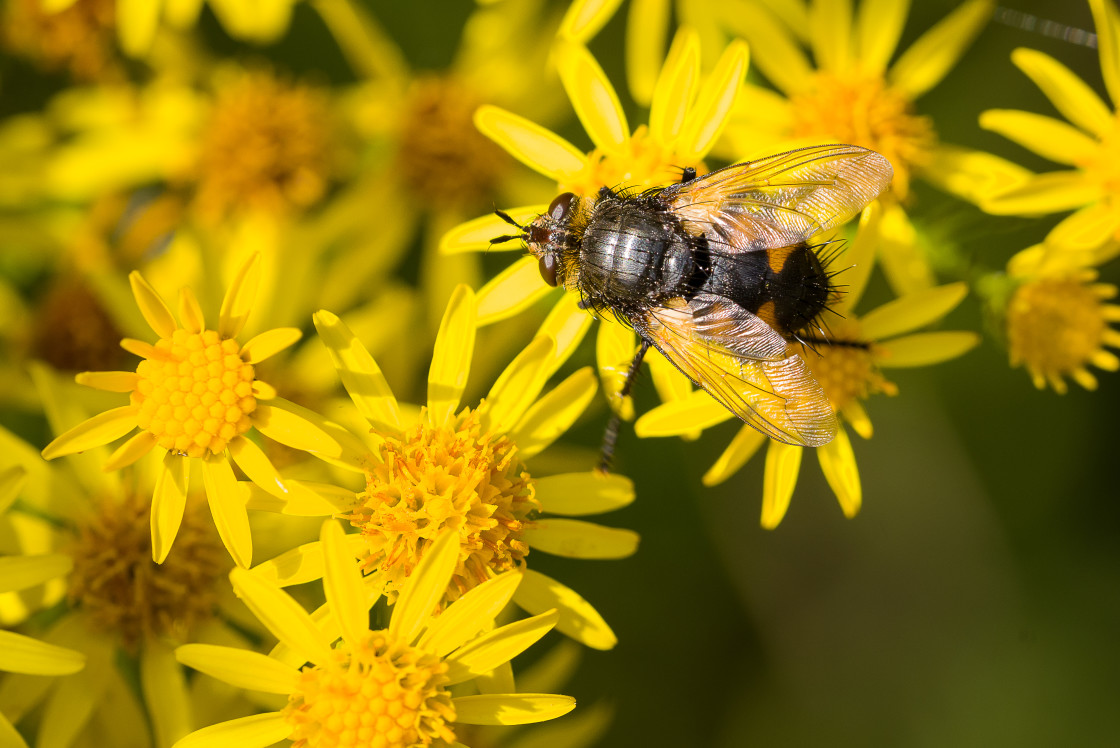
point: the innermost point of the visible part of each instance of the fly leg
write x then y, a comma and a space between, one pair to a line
610, 436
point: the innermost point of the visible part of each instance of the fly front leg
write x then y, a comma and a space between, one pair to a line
610, 436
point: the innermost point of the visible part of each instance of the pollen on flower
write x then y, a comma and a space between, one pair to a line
1056, 327
267, 147
120, 588
644, 163
455, 476
442, 156
869, 113
381, 693
845, 368
195, 393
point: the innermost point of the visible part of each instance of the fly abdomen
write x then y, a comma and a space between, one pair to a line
634, 248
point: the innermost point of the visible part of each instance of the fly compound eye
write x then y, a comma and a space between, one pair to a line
547, 265
559, 208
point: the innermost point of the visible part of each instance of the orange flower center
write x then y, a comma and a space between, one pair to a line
437, 477
195, 394
116, 583
79, 39
869, 113
643, 163
73, 332
845, 367
382, 693
267, 148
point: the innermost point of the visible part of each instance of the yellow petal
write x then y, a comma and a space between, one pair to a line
1045, 193
519, 709
578, 619
574, 538
566, 324
227, 509
933, 55
1086, 229
838, 463
741, 449
924, 349
131, 451
282, 615
774, 51
190, 312
425, 587
284, 422
511, 291
696, 411
646, 25
9, 736
155, 311
830, 34
477, 235
859, 257
576, 494
783, 462
912, 311
676, 88
300, 565
93, 432
12, 481
304, 498
240, 668
857, 418
21, 572
971, 175
342, 584
614, 349
255, 464
109, 381
164, 688
269, 343
238, 301
257, 731
451, 358
1067, 92
22, 654
360, 374
878, 27
1048, 137
707, 118
137, 21
518, 386
593, 98
538, 148
168, 503
470, 614
497, 647
1107, 23
584, 18
554, 413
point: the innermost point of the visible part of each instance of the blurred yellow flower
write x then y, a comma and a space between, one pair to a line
386, 687
195, 396
847, 361
1089, 142
464, 470
850, 93
74, 36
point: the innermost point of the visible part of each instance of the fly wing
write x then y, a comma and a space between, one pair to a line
741, 362
780, 200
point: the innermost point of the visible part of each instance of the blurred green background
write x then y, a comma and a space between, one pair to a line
973, 601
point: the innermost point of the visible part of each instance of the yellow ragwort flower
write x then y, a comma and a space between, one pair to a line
1057, 319
464, 469
75, 36
686, 117
352, 687
851, 92
195, 397
847, 362
1088, 142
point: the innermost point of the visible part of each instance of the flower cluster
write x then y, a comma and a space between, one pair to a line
288, 454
